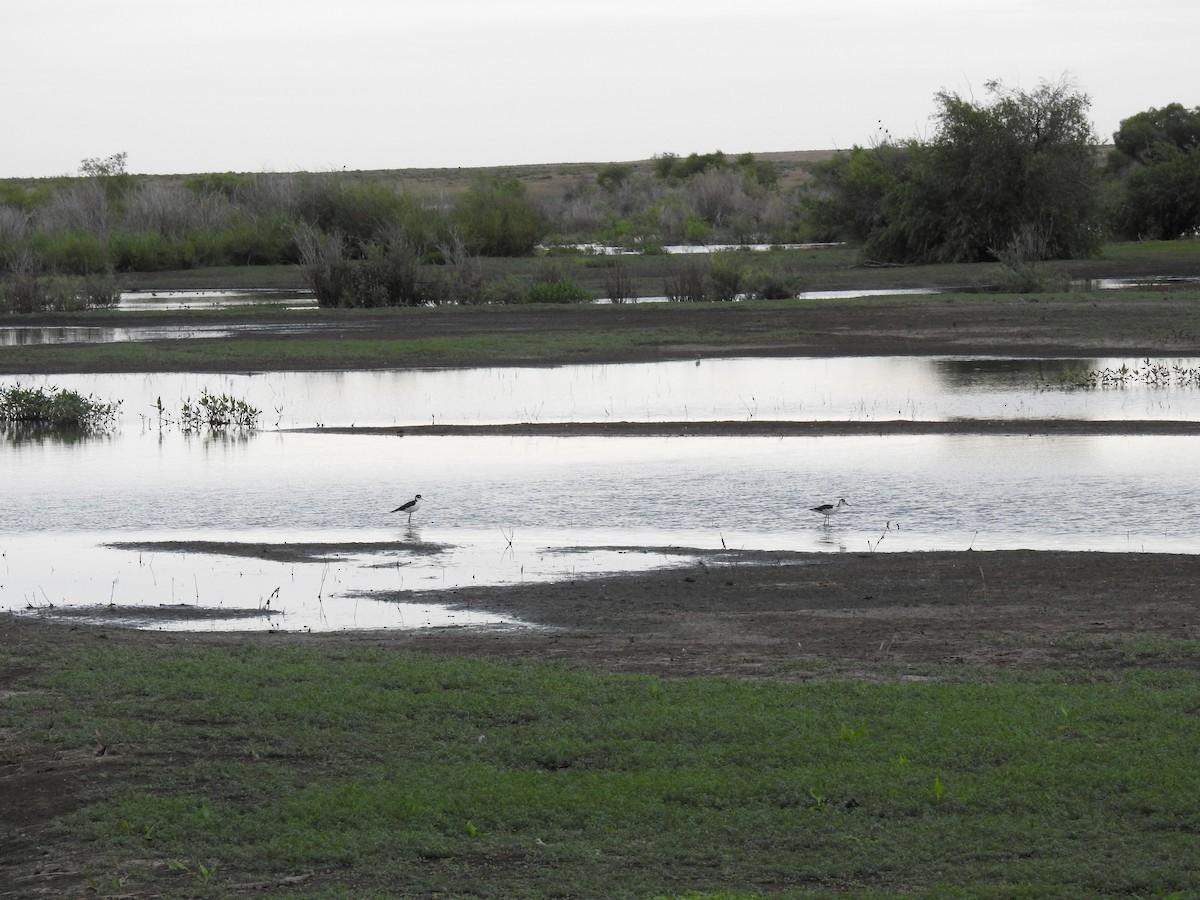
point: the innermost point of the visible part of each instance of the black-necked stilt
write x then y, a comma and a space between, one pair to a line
410, 507
829, 509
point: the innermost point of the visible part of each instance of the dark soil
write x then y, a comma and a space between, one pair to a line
792, 615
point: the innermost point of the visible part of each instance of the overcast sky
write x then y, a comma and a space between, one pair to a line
185, 86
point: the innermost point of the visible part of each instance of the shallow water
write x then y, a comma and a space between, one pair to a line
504, 510
501, 510
149, 301
857, 389
754, 491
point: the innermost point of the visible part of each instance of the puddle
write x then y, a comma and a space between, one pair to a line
142, 581
1119, 284
29, 335
149, 301
808, 295
693, 249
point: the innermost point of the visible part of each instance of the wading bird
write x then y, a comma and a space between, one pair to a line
411, 507
829, 509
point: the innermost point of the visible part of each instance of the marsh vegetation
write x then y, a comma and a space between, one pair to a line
31, 409
1019, 179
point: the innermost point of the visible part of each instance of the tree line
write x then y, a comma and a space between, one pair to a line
1019, 176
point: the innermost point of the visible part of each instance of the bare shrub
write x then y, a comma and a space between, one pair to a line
577, 214
687, 279
14, 230
635, 194
1022, 256
269, 194
316, 247
81, 206
717, 197
173, 211
14, 225
619, 285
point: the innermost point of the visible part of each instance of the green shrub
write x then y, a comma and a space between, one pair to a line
361, 213
149, 251
497, 219
72, 252
390, 277
54, 408
774, 282
725, 276
613, 175
555, 292
266, 242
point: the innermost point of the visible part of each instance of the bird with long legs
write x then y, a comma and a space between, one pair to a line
828, 510
410, 507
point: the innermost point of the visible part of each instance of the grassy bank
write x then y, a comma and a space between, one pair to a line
1134, 321
830, 268
362, 772
1103, 323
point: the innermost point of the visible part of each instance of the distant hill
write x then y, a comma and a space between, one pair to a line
553, 178
541, 178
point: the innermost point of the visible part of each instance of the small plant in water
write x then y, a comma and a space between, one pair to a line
53, 407
1149, 373
218, 413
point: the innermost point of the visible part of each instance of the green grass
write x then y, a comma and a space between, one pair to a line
565, 333
386, 773
819, 269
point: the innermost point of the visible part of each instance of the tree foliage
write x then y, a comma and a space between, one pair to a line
991, 174
1158, 154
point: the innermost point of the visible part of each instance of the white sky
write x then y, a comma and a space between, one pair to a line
283, 85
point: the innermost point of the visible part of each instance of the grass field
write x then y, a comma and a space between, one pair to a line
358, 772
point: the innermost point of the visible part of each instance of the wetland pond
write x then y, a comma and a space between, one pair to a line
297, 299
289, 528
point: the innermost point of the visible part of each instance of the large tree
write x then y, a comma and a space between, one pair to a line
1019, 169
1157, 156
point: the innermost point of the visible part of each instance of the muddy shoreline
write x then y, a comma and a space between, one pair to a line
791, 616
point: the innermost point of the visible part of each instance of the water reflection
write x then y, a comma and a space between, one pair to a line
31, 335
149, 301
503, 510
756, 491
823, 389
